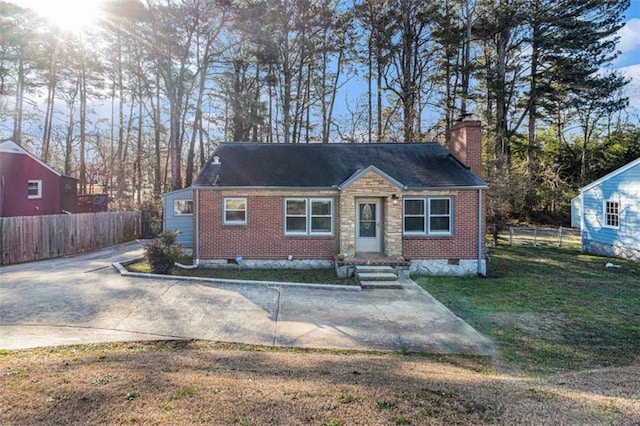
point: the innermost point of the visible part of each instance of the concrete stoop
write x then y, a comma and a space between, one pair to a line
376, 277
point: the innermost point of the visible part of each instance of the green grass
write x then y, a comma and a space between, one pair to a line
311, 276
550, 310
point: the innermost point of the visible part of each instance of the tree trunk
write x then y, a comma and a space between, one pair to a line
503, 148
83, 125
197, 120
48, 116
120, 169
17, 116
531, 139
370, 88
157, 175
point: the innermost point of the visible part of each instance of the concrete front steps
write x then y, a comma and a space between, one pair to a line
376, 277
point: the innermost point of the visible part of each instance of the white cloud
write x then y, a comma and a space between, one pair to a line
633, 88
629, 36
633, 72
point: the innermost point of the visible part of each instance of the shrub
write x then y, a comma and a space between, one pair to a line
162, 253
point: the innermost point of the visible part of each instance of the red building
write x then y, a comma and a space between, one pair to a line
28, 187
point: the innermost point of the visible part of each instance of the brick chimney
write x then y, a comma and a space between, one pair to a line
465, 143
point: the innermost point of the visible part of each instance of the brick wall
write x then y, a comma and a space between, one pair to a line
463, 244
263, 235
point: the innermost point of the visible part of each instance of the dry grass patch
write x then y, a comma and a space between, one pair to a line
198, 382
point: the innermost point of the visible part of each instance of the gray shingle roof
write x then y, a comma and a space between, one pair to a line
413, 165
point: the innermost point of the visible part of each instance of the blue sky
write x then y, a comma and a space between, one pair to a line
629, 45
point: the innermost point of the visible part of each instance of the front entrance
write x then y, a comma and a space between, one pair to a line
368, 229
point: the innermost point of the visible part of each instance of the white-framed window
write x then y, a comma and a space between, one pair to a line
234, 211
321, 218
428, 216
440, 217
34, 189
414, 216
612, 214
182, 207
295, 211
308, 216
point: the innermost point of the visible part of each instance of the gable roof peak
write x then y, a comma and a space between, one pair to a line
610, 175
361, 172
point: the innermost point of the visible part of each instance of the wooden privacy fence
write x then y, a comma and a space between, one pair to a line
29, 238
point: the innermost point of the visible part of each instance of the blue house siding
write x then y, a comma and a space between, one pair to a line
621, 187
180, 222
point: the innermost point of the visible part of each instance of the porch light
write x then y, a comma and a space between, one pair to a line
394, 199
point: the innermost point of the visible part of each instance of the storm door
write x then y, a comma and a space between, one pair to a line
368, 219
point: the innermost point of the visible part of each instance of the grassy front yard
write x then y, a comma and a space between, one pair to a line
550, 310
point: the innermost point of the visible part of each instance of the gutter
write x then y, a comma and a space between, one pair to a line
480, 234
334, 188
262, 188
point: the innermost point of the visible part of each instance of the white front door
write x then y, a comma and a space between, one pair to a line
368, 235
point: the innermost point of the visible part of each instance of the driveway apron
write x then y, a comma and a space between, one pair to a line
83, 299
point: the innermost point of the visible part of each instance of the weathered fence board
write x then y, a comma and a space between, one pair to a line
29, 238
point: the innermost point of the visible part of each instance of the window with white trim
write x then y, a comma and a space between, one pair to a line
414, 216
34, 189
234, 211
308, 216
182, 207
612, 214
428, 216
440, 216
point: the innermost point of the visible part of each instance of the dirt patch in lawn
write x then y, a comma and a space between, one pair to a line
195, 382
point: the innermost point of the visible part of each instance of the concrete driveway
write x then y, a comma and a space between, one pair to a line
83, 299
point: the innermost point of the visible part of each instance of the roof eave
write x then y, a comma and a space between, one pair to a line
610, 175
10, 147
267, 188
175, 191
447, 187
332, 188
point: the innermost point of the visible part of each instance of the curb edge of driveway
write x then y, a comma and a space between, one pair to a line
120, 267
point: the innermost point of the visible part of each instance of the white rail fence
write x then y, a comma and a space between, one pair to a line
549, 237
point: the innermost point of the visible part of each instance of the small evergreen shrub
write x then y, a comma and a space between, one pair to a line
163, 252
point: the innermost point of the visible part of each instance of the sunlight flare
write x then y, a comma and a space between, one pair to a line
68, 15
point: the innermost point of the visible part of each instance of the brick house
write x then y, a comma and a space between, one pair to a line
312, 205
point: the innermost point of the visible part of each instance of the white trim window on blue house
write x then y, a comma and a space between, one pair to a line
183, 207
612, 214
308, 216
34, 189
428, 216
234, 211
609, 213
